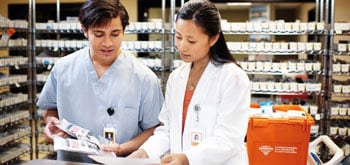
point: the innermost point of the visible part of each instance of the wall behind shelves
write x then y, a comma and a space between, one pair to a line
129, 4
341, 14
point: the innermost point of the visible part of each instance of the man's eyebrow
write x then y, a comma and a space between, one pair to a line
101, 31
98, 31
116, 30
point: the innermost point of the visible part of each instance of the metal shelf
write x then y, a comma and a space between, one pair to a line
340, 97
276, 33
340, 117
320, 52
160, 32
282, 73
17, 29
285, 93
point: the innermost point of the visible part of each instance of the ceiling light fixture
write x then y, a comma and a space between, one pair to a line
239, 3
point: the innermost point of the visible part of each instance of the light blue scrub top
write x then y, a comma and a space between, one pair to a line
128, 86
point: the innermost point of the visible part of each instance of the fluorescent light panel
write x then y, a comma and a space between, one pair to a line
239, 3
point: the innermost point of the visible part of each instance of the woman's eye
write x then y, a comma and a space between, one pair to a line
191, 42
115, 35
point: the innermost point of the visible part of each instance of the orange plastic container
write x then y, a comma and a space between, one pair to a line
279, 141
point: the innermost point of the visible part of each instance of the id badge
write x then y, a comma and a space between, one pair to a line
109, 133
196, 136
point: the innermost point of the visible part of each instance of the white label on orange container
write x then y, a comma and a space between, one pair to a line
284, 149
266, 149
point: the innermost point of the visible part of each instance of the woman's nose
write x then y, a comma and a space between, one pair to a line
180, 45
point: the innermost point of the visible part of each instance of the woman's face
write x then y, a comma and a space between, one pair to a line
191, 41
105, 42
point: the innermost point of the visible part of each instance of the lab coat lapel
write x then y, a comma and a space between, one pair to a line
204, 84
179, 89
182, 89
198, 97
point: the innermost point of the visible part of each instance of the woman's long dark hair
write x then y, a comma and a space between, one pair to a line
205, 14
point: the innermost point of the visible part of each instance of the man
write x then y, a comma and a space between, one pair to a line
101, 86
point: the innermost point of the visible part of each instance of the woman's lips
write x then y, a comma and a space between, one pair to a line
184, 54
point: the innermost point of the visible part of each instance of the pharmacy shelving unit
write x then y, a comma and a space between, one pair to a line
338, 96
15, 112
53, 41
274, 79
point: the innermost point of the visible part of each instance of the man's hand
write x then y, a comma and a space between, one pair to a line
52, 129
130, 146
112, 148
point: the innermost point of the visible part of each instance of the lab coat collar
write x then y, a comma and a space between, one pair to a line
209, 72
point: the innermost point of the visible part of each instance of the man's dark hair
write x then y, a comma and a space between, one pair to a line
98, 13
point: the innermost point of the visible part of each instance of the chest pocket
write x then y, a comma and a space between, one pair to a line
129, 115
127, 118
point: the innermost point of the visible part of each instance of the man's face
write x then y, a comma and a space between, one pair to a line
105, 41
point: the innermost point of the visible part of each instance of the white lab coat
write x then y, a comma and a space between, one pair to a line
223, 95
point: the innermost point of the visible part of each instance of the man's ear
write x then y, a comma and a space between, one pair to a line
85, 31
213, 39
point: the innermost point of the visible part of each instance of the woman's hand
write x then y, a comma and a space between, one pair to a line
140, 153
175, 159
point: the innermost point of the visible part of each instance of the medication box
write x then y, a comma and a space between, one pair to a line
279, 140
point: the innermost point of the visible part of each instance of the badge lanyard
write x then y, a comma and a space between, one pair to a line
196, 134
109, 131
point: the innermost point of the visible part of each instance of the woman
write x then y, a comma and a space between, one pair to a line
205, 114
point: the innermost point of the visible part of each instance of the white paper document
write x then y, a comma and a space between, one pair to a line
128, 161
79, 141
